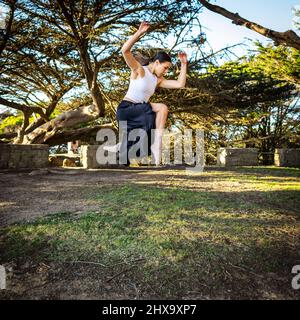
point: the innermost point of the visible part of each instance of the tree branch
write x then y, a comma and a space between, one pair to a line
21, 107
8, 27
82, 134
288, 38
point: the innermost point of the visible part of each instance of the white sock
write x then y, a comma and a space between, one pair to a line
156, 147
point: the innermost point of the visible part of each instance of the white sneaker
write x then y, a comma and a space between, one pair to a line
114, 148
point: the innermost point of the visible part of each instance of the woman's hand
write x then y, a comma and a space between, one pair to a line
144, 26
182, 57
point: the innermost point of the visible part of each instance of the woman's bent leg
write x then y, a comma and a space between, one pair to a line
161, 111
135, 116
161, 118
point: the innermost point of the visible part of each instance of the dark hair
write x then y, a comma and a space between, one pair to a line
161, 56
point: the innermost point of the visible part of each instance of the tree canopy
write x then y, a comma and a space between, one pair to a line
62, 72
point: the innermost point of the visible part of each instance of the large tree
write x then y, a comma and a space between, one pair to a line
260, 111
67, 54
86, 35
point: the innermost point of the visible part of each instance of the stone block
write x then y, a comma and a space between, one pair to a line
237, 157
14, 156
286, 157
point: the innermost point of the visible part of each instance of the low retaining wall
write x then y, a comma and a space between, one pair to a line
88, 156
237, 157
15, 156
287, 157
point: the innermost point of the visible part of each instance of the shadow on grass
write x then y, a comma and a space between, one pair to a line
180, 243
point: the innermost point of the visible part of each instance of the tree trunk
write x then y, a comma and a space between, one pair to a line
8, 135
65, 120
82, 134
21, 131
91, 78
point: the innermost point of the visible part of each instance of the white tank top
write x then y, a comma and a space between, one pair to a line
141, 89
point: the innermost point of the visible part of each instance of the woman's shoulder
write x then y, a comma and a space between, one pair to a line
139, 73
159, 80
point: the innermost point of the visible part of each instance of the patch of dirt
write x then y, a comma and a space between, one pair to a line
76, 281
29, 194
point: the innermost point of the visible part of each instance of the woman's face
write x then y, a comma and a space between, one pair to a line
161, 68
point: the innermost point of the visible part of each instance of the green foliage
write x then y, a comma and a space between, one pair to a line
296, 20
10, 123
55, 113
278, 62
252, 104
228, 98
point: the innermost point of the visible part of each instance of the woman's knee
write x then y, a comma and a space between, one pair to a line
163, 108
159, 107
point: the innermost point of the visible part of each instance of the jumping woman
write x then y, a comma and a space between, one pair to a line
135, 107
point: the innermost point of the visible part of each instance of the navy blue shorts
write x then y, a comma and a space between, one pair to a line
138, 116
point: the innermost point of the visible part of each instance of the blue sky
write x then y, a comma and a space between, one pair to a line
273, 14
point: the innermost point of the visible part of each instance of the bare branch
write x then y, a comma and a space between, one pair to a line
8, 27
288, 38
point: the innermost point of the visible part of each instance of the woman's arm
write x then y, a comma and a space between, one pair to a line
180, 82
132, 63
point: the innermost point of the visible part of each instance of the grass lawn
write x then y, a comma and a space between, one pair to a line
223, 234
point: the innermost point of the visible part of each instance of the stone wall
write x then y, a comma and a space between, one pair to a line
237, 157
287, 157
88, 156
15, 156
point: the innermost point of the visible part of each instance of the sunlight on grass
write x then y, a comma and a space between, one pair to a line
172, 228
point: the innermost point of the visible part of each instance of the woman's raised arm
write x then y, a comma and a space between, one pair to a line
132, 63
180, 82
